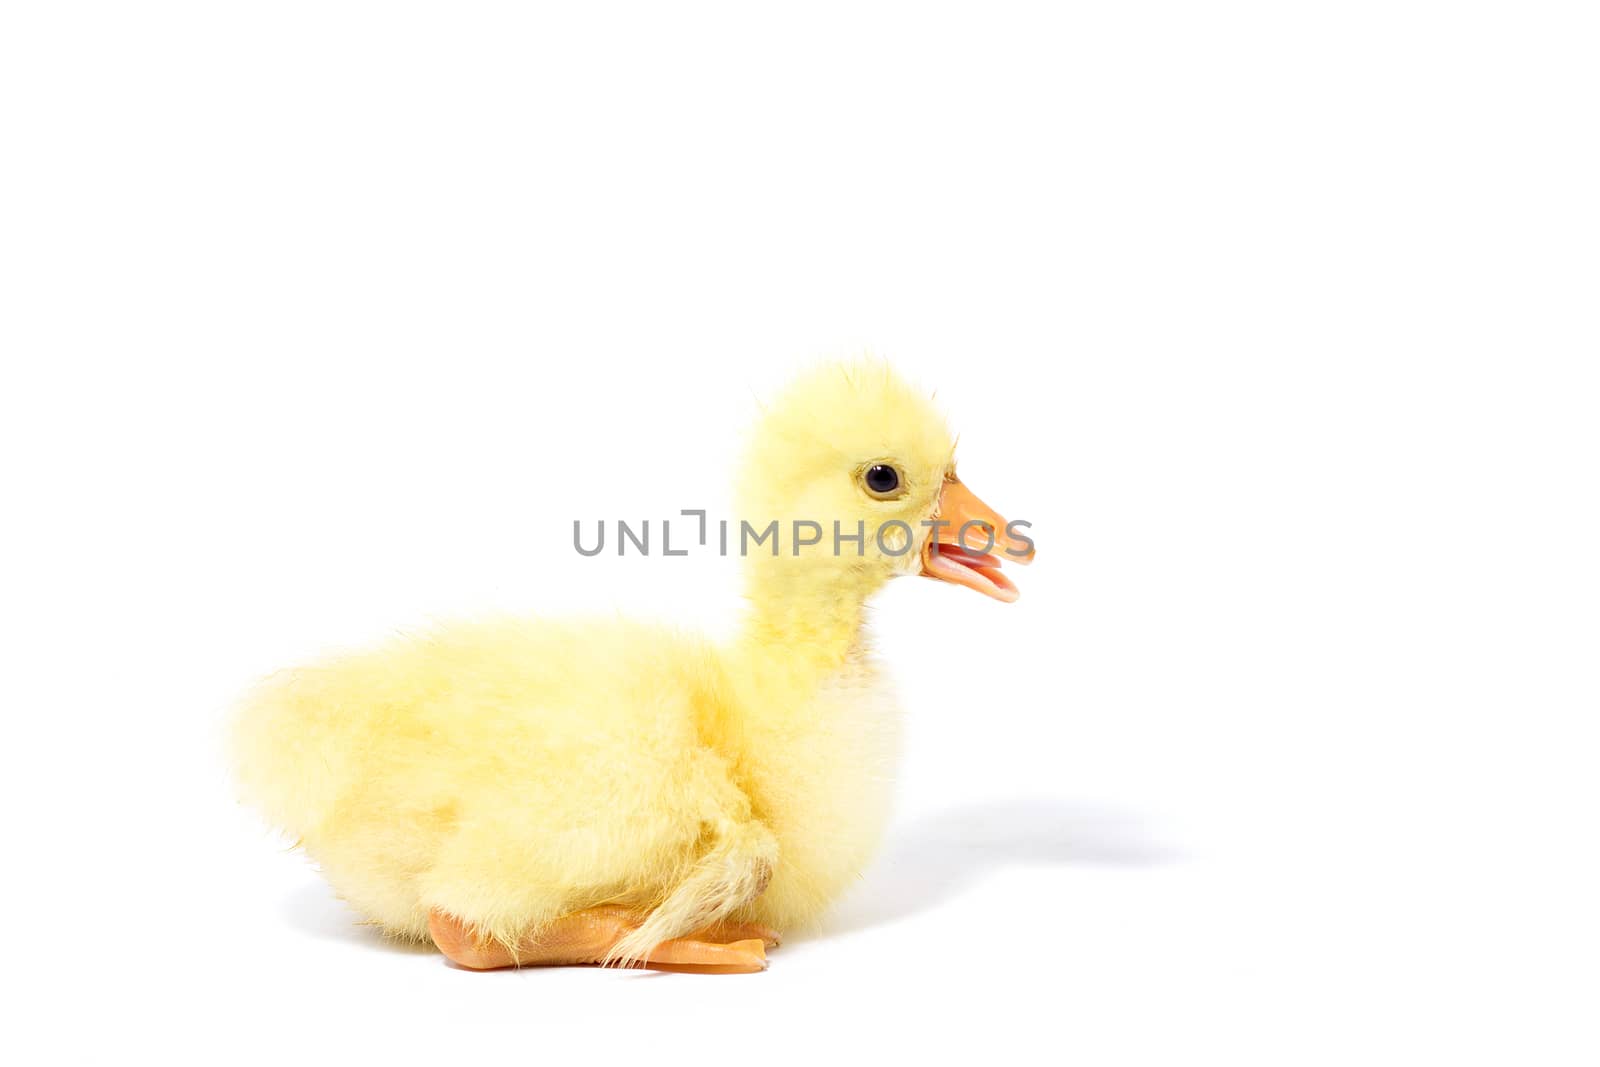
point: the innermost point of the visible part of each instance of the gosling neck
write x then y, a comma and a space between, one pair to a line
805, 613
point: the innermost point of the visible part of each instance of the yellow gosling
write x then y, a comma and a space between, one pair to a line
563, 792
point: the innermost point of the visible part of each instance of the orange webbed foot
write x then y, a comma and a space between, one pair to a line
587, 937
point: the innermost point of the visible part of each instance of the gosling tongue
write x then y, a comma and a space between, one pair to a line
965, 556
951, 564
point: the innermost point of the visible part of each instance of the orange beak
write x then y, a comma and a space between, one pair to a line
970, 542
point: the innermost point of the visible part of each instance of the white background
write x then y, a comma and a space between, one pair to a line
1279, 321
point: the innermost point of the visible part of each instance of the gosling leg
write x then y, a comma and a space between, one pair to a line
585, 937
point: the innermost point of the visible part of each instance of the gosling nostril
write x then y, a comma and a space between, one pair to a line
978, 533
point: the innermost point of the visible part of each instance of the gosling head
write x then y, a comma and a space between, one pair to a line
856, 471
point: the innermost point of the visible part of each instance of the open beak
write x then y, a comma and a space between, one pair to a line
969, 550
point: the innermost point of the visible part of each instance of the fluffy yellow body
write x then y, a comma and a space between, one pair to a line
509, 773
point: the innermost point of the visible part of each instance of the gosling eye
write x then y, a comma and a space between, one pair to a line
882, 481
